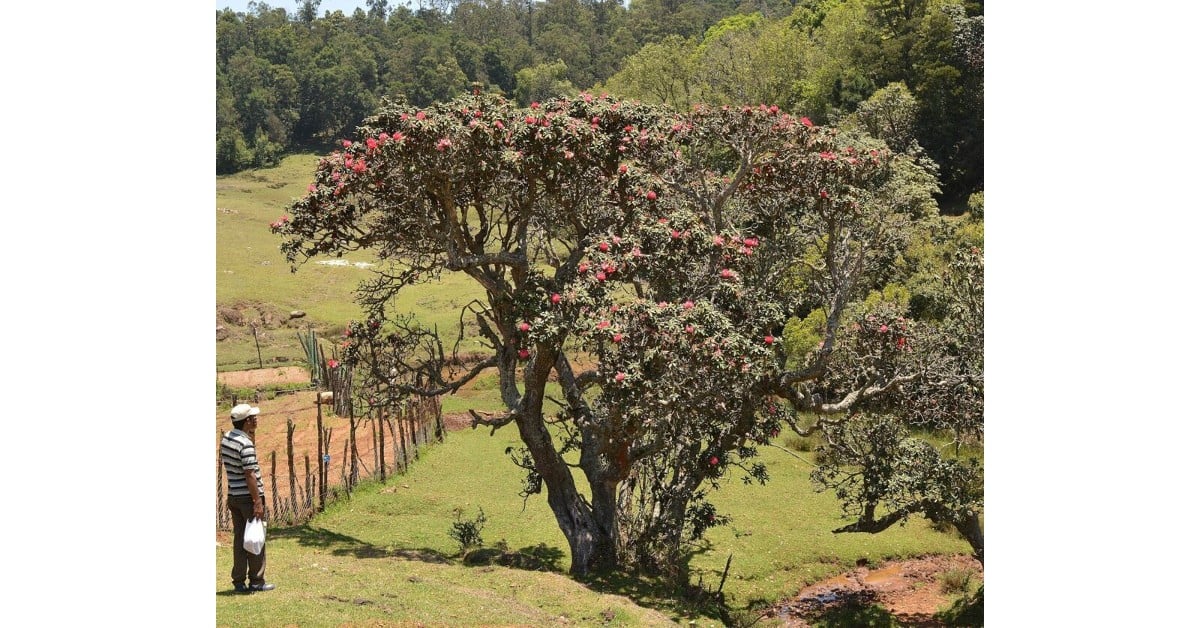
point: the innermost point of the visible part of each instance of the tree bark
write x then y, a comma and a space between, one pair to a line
973, 533
592, 549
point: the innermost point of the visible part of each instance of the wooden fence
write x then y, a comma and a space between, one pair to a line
295, 493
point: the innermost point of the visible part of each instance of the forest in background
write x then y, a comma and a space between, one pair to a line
909, 72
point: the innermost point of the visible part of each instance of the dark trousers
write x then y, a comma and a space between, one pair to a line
244, 563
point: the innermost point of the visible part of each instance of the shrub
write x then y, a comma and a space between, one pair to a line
975, 205
799, 443
467, 533
956, 581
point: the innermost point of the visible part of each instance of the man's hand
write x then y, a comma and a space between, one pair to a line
258, 510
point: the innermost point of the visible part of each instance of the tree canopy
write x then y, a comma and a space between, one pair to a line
640, 267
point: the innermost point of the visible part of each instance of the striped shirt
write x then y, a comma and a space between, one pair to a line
237, 452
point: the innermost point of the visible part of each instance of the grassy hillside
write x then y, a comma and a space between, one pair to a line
254, 282
386, 555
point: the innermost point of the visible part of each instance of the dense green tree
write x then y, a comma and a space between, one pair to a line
542, 82
745, 59
232, 153
890, 114
661, 72
306, 10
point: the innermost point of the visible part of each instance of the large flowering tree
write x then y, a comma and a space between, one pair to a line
638, 266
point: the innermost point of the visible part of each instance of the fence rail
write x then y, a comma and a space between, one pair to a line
293, 497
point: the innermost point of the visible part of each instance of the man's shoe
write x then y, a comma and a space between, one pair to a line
261, 587
240, 588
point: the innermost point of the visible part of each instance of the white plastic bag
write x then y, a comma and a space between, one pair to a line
255, 537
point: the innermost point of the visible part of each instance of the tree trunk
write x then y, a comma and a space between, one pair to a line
592, 547
973, 533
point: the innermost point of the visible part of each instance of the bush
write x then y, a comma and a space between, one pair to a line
975, 205
467, 533
956, 581
799, 443
232, 153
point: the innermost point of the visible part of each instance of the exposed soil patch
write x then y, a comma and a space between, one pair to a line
910, 590
455, 422
258, 378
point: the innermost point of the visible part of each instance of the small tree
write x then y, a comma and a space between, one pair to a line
881, 471
890, 114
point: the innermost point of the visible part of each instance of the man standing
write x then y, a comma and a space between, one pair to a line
245, 494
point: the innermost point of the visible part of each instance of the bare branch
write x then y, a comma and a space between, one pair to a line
494, 423
873, 526
862, 394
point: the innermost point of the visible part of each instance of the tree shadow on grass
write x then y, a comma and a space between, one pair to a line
540, 557
683, 597
342, 545
857, 616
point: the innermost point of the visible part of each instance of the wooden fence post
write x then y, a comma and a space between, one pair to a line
291, 430
353, 452
254, 328
308, 486
395, 449
403, 439
437, 413
345, 456
320, 457
274, 491
220, 491
327, 437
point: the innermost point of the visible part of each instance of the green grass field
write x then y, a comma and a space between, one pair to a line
384, 557
251, 270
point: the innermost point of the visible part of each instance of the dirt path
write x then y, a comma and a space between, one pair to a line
910, 590
264, 377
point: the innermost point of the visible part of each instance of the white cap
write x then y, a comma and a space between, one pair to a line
242, 411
